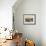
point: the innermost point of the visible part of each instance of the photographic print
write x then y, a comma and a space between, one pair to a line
29, 19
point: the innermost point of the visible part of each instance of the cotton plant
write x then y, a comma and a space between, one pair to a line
2, 32
1, 29
2, 35
5, 31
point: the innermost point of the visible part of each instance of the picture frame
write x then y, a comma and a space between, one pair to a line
29, 19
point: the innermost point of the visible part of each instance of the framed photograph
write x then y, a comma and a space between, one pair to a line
29, 19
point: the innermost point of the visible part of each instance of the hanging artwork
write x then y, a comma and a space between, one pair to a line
29, 19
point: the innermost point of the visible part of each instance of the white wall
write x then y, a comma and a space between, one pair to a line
43, 22
6, 13
30, 31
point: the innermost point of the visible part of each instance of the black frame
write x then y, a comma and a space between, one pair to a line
30, 15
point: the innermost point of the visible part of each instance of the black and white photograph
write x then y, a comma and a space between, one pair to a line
29, 19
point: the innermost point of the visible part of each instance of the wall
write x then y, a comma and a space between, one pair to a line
6, 13
43, 22
29, 31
